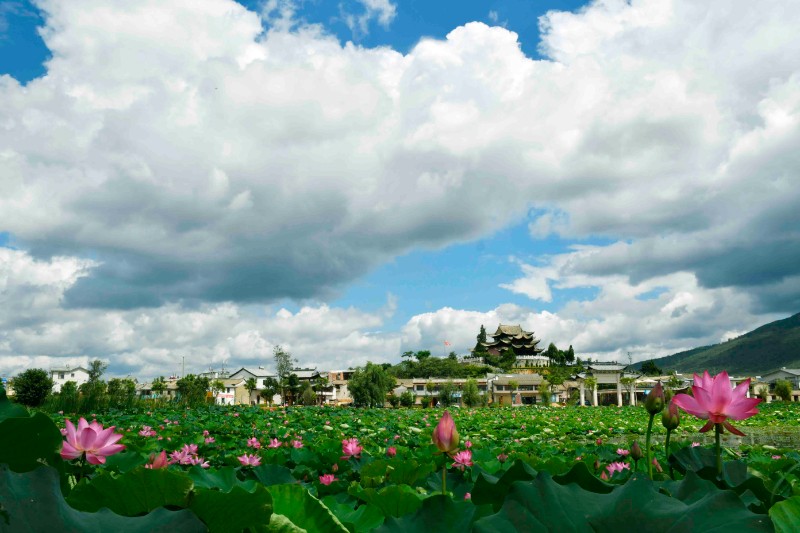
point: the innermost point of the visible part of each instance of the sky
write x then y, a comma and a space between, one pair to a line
206, 180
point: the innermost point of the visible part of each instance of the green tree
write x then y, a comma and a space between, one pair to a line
121, 392
369, 385
570, 356
783, 389
283, 367
446, 394
270, 388
470, 395
192, 390
309, 397
321, 385
590, 383
250, 385
292, 387
217, 386
32, 387
479, 347
394, 401
552, 354
158, 386
649, 368
407, 399
421, 355
545, 391
96, 370
507, 359
452, 356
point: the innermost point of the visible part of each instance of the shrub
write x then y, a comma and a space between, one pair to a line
32, 387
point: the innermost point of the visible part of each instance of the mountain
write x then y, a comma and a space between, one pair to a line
770, 347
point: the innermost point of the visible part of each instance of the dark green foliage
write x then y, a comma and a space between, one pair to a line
470, 395
121, 392
479, 347
32, 387
192, 390
407, 399
369, 385
309, 397
650, 368
446, 395
439, 367
783, 389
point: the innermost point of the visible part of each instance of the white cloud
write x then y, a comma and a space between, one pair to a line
175, 152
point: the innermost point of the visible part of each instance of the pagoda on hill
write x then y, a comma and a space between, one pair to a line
523, 342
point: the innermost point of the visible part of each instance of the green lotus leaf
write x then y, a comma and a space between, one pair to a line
33, 502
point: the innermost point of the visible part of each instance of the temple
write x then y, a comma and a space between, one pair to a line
523, 342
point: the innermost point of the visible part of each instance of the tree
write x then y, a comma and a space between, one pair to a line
570, 356
192, 390
446, 394
250, 384
32, 387
783, 389
321, 384
158, 386
421, 355
96, 370
283, 367
470, 395
121, 392
407, 399
369, 385
217, 386
545, 390
479, 347
513, 385
452, 356
270, 388
649, 368
552, 354
309, 397
590, 383
292, 387
507, 359
394, 401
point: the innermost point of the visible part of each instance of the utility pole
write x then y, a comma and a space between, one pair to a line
183, 366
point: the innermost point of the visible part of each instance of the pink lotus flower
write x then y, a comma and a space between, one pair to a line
467, 444
467, 496
617, 467
181, 457
90, 439
157, 461
210, 440
351, 448
462, 459
657, 465
445, 435
502, 458
253, 443
715, 401
391, 451
623, 452
206, 433
695, 444
249, 460
190, 449
599, 442
201, 462
327, 479
274, 443
297, 444
776, 457
147, 431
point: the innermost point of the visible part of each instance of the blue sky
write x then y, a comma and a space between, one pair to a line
355, 179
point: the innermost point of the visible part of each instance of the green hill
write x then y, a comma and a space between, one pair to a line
767, 348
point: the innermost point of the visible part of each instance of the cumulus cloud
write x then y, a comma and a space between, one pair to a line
178, 159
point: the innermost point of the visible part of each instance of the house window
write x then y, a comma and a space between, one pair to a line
419, 388
263, 382
72, 375
61, 375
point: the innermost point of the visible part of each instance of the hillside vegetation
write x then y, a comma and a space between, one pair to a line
767, 348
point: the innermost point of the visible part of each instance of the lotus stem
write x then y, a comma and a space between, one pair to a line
647, 445
666, 444
717, 438
444, 480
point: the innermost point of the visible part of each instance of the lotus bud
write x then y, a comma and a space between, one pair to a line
655, 400
597, 464
445, 435
636, 451
670, 418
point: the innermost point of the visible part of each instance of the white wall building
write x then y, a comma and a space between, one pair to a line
61, 375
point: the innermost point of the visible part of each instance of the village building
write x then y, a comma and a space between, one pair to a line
60, 376
523, 342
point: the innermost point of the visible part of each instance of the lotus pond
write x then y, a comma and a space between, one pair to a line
344, 469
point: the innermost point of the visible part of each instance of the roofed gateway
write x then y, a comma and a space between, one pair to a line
523, 342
